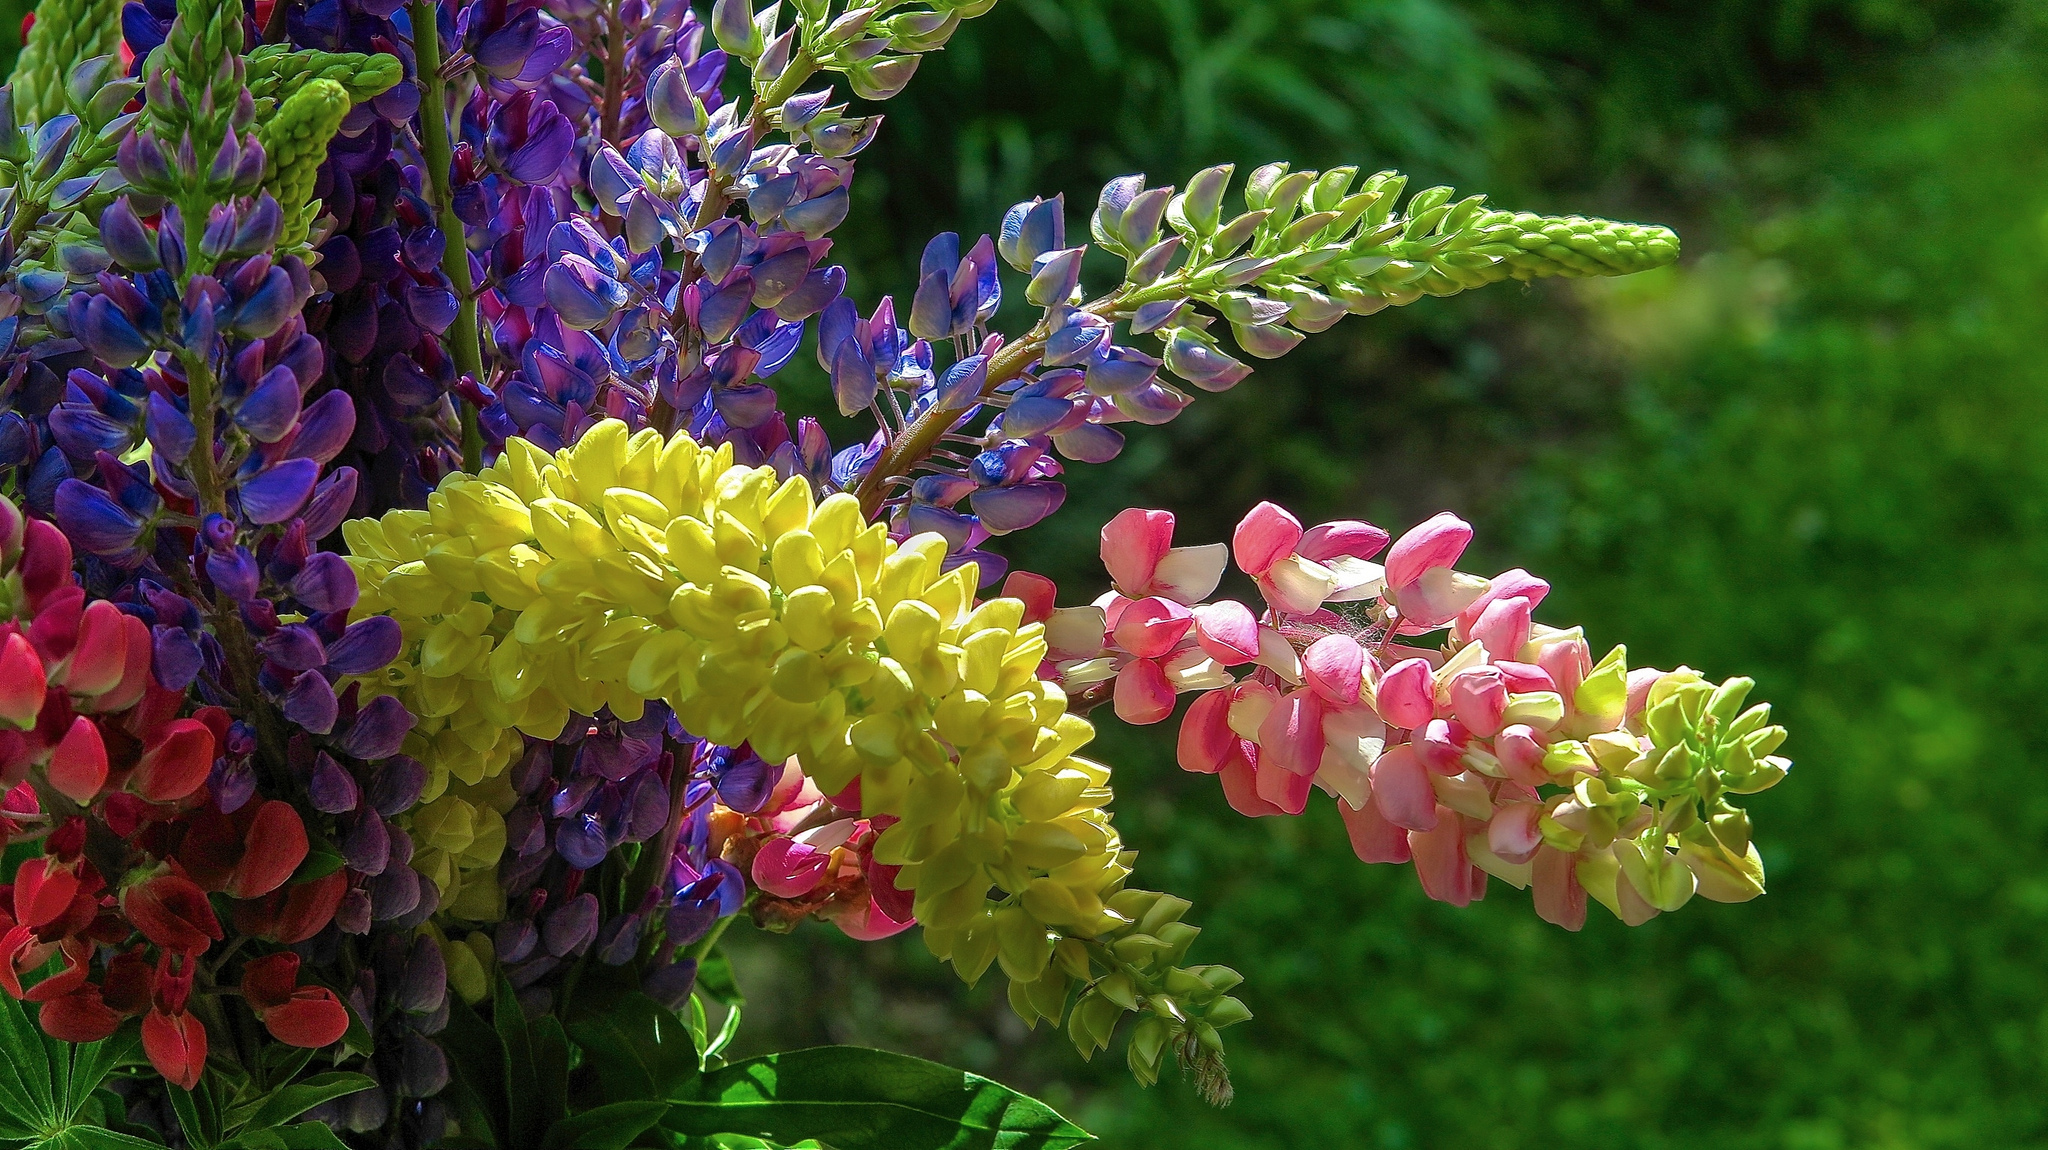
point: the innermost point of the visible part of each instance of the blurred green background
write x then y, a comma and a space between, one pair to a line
1816, 452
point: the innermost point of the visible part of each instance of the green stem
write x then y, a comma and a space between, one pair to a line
462, 339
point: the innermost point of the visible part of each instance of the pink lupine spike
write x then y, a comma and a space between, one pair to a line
1406, 696
870, 923
11, 524
1189, 574
1511, 584
45, 560
1291, 737
1441, 746
1479, 699
1285, 789
787, 868
1133, 543
1520, 755
1334, 666
1503, 627
135, 673
1206, 741
1241, 788
1190, 668
1559, 898
1036, 591
22, 684
1345, 537
1512, 832
54, 630
1441, 863
1401, 789
1373, 838
1251, 701
1436, 542
1152, 626
1278, 655
1267, 534
1435, 598
1143, 695
78, 767
101, 653
1228, 631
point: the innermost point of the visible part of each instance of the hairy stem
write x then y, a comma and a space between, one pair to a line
462, 339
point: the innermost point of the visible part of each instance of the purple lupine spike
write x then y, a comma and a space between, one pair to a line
294, 647
424, 984
1116, 370
1006, 509
619, 939
271, 408
580, 841
94, 521
324, 427
671, 985
367, 844
325, 583
397, 784
330, 503
571, 927
278, 492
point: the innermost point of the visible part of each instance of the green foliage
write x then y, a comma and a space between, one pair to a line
48, 1089
232, 1111
295, 144
855, 1099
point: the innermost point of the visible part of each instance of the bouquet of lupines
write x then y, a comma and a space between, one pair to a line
423, 634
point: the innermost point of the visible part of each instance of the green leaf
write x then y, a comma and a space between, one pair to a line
715, 978
93, 1061
302, 1136
25, 1087
476, 1091
192, 1118
288, 1102
522, 1084
612, 1127
551, 1069
727, 1031
858, 1099
637, 1049
94, 1138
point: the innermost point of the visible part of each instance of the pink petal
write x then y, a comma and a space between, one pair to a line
1133, 543
1441, 746
1516, 583
1479, 699
1406, 696
1503, 627
102, 651
1291, 737
1143, 696
1436, 542
1373, 838
1250, 702
1228, 631
1335, 666
1266, 533
1190, 574
1441, 862
1435, 598
1520, 755
1036, 591
1344, 537
870, 922
786, 868
1512, 834
1283, 788
1241, 787
1401, 789
1206, 740
1568, 663
1640, 681
1559, 897
1523, 678
1151, 627
1278, 655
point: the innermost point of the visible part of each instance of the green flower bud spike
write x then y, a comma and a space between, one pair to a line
295, 142
276, 73
66, 34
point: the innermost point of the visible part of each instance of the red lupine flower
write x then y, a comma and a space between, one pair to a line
77, 964
176, 763
247, 854
78, 768
293, 913
22, 682
309, 1016
20, 952
81, 1016
176, 1046
171, 912
129, 981
43, 889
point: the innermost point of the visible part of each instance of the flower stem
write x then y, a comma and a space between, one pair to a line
462, 339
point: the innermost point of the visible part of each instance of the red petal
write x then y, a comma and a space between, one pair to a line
1241, 788
78, 768
22, 683
102, 651
1373, 838
1133, 543
313, 1018
268, 982
176, 765
1036, 591
1401, 789
1143, 694
78, 1017
176, 1046
276, 845
1206, 740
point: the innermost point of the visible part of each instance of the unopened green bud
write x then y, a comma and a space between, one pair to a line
1022, 945
1167, 909
1117, 988
1226, 1011
1259, 188
1196, 211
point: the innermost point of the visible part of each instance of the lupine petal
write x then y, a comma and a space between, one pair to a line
1228, 631
1406, 695
1142, 694
1436, 542
1334, 666
276, 494
1206, 741
1265, 535
1133, 544
1402, 791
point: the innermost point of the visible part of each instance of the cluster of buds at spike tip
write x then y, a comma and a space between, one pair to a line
631, 568
1507, 753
